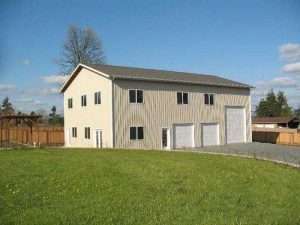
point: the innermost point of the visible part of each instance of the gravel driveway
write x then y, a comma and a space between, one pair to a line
280, 153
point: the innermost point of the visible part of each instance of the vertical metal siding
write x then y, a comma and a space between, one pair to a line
160, 109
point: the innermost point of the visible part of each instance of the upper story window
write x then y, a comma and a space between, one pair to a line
136, 133
87, 133
136, 96
97, 97
74, 132
83, 100
70, 103
182, 98
209, 99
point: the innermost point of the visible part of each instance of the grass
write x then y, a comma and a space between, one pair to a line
144, 187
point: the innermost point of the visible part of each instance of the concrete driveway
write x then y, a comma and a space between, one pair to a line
279, 153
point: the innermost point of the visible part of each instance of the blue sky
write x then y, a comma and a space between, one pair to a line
256, 42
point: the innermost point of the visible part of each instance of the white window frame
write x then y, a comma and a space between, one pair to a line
85, 136
209, 94
70, 100
96, 98
168, 136
182, 92
82, 98
74, 129
136, 90
136, 133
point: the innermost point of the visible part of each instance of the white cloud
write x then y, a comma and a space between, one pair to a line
29, 101
50, 91
39, 92
283, 82
277, 82
26, 62
290, 51
55, 79
259, 92
7, 87
292, 68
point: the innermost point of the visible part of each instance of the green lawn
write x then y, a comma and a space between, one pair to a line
144, 187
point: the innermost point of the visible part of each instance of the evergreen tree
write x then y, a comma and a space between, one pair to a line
273, 105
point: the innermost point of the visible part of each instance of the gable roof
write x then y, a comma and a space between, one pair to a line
133, 73
259, 120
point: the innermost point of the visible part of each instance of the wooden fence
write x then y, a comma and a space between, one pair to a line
276, 136
37, 136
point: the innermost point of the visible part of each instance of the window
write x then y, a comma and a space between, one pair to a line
74, 132
87, 133
179, 98
139, 96
208, 99
211, 99
140, 133
136, 96
83, 100
182, 98
132, 133
136, 133
70, 103
97, 98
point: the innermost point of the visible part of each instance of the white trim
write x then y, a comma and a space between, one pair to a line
218, 132
245, 123
135, 89
94, 95
84, 95
168, 138
210, 93
136, 130
182, 92
84, 134
95, 138
183, 124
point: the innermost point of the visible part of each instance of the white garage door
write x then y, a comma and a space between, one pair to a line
235, 125
210, 134
184, 135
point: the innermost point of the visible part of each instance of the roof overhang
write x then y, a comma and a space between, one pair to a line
111, 76
178, 82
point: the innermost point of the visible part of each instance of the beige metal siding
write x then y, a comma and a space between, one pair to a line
160, 110
93, 116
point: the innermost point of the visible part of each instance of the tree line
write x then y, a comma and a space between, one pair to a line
274, 105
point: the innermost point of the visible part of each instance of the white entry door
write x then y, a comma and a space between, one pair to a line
184, 136
98, 138
235, 125
165, 138
210, 134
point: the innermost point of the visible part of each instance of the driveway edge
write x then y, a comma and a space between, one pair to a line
244, 156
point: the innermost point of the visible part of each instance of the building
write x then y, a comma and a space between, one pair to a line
275, 122
124, 107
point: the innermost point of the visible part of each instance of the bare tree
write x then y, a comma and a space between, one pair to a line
81, 46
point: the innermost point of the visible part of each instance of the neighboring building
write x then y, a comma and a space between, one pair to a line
275, 122
123, 107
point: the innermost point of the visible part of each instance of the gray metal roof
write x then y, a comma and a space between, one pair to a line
122, 72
